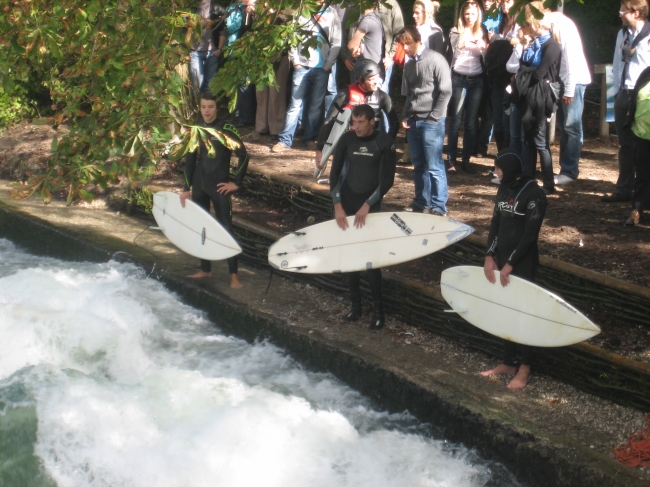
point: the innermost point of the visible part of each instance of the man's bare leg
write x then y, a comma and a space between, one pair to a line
234, 281
502, 369
200, 275
521, 379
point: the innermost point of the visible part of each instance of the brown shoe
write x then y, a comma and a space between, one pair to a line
634, 219
279, 147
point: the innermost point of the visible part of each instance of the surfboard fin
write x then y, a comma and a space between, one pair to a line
459, 311
157, 228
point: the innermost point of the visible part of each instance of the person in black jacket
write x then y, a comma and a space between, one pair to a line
512, 246
369, 157
540, 71
209, 177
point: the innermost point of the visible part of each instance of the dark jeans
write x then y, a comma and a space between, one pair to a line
625, 183
223, 213
466, 96
246, 104
641, 197
539, 145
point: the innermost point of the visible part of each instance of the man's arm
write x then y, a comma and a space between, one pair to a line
242, 156
334, 40
386, 173
442, 77
354, 45
617, 64
336, 182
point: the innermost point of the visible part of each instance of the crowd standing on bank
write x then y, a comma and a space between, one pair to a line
490, 75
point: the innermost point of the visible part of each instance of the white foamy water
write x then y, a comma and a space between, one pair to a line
123, 385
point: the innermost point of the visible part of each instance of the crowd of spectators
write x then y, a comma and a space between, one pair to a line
504, 82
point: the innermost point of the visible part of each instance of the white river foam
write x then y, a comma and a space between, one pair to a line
130, 387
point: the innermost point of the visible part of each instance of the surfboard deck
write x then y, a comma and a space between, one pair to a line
521, 312
341, 125
192, 229
386, 239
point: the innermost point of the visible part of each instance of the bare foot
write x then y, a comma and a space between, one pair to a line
200, 275
234, 281
521, 379
500, 370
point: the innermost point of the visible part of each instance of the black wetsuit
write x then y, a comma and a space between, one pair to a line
203, 174
369, 174
353, 95
514, 230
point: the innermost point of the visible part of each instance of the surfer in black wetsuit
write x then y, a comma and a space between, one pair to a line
364, 92
512, 246
209, 178
369, 158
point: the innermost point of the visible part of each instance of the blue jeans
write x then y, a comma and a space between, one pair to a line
425, 141
385, 86
307, 84
569, 117
516, 130
466, 95
332, 89
203, 67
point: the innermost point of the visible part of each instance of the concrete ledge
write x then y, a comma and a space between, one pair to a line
461, 407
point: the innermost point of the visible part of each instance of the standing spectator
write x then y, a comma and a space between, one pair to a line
367, 42
369, 156
512, 247
468, 42
427, 88
239, 20
424, 12
631, 57
641, 128
310, 76
206, 51
393, 21
575, 76
207, 179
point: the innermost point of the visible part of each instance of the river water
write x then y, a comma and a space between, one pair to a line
107, 379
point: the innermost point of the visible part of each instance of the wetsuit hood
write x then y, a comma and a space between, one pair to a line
509, 161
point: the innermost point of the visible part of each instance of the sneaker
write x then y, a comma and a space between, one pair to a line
279, 147
561, 179
437, 213
414, 208
496, 181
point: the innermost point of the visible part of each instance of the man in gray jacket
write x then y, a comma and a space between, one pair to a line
427, 87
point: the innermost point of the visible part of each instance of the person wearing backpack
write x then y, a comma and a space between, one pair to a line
631, 57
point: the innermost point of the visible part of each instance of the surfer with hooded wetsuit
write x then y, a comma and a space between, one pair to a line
512, 246
209, 177
364, 92
369, 158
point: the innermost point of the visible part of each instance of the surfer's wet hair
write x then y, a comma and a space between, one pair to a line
364, 111
207, 95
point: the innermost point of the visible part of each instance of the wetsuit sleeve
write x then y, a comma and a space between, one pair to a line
342, 98
242, 156
386, 105
190, 166
549, 56
386, 173
535, 209
337, 167
494, 231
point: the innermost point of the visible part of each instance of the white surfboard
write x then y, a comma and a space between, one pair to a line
521, 312
192, 229
341, 125
386, 239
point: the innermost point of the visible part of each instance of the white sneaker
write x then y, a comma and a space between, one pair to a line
561, 179
496, 181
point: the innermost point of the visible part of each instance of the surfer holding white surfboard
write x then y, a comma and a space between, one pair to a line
512, 246
369, 156
208, 177
364, 91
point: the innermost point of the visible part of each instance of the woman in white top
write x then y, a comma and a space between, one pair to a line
424, 13
468, 43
